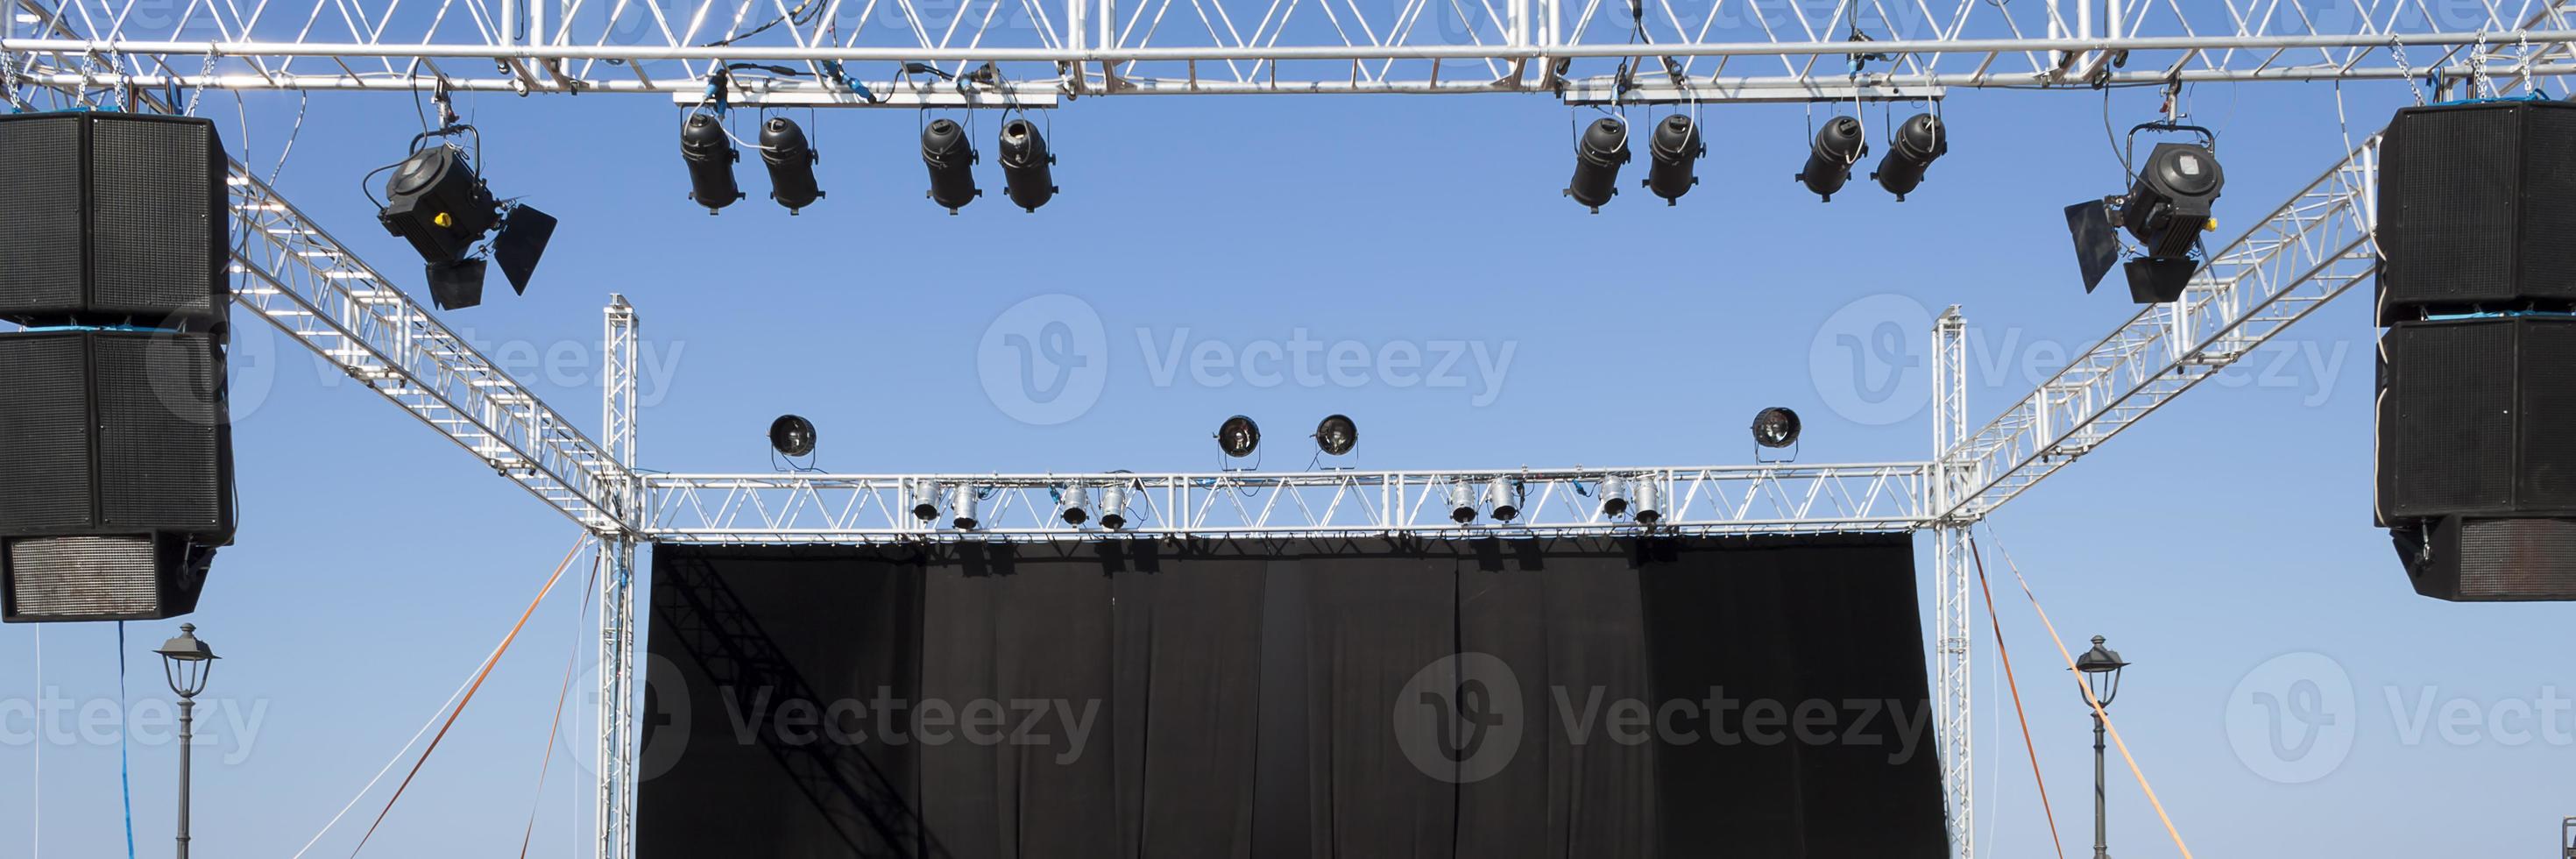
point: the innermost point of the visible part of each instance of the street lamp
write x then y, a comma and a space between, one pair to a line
186, 662
2101, 667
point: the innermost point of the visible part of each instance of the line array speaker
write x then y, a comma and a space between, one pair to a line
2477, 208
113, 217
2467, 559
2477, 417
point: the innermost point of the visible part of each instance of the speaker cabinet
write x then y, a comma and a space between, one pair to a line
2477, 209
101, 577
113, 218
2477, 418
2465, 559
114, 432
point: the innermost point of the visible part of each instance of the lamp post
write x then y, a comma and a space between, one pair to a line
2101, 667
186, 662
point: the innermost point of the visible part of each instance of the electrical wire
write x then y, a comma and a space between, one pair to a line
36, 850
388, 767
484, 673
124, 743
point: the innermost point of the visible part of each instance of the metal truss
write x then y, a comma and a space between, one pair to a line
292, 273
615, 812
1749, 499
854, 52
1953, 695
2308, 251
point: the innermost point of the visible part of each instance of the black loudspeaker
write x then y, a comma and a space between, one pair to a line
116, 481
2477, 209
2466, 559
112, 217
101, 577
2477, 417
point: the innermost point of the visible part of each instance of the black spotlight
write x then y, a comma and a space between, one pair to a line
791, 164
1775, 427
435, 201
951, 158
1597, 156
1676, 149
2166, 209
1028, 168
1919, 141
1838, 146
710, 155
1238, 436
791, 435
1336, 435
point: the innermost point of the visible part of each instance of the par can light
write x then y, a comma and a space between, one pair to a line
924, 496
1336, 435
1614, 495
1462, 502
961, 507
951, 159
1597, 156
1919, 141
1238, 437
1775, 427
1676, 150
1028, 168
1076, 507
790, 435
1838, 146
1503, 499
1113, 506
710, 156
791, 164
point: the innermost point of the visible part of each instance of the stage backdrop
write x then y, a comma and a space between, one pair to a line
1292, 698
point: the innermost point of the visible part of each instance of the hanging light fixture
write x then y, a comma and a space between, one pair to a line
1503, 499
1076, 506
951, 158
791, 164
961, 507
1462, 502
1028, 168
710, 155
1838, 146
1597, 156
1919, 141
1614, 495
1647, 500
1113, 506
924, 495
1676, 149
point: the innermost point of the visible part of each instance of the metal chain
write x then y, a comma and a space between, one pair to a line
2397, 50
2480, 85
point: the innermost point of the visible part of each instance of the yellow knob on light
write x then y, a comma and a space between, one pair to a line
443, 220
2211, 226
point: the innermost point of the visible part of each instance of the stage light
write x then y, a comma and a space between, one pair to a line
1646, 500
1614, 495
520, 242
1775, 427
2166, 209
710, 156
1238, 437
961, 507
790, 435
1462, 502
435, 202
1028, 168
1336, 435
1502, 498
1838, 146
791, 164
924, 496
1075, 506
1113, 506
951, 158
1676, 150
1597, 156
1919, 141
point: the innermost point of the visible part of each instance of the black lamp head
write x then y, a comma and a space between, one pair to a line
1776, 426
791, 435
1336, 435
1238, 436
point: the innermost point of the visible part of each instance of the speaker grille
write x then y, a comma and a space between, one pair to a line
2517, 559
2477, 205
154, 218
2454, 436
84, 578
2548, 229
2548, 416
41, 254
158, 450
44, 432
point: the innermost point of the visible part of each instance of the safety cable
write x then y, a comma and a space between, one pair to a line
2010, 682
2098, 712
468, 699
124, 758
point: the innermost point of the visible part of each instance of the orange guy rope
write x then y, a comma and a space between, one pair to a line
2015, 686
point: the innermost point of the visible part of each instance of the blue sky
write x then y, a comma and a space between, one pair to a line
377, 564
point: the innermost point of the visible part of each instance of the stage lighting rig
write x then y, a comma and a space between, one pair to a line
435, 200
1238, 437
1462, 502
951, 159
1676, 149
790, 159
961, 507
1336, 435
1028, 167
2167, 208
1829, 160
1614, 495
709, 152
1646, 502
1918, 142
924, 496
1113, 506
1597, 156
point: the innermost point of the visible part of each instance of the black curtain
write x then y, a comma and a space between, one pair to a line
1292, 698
